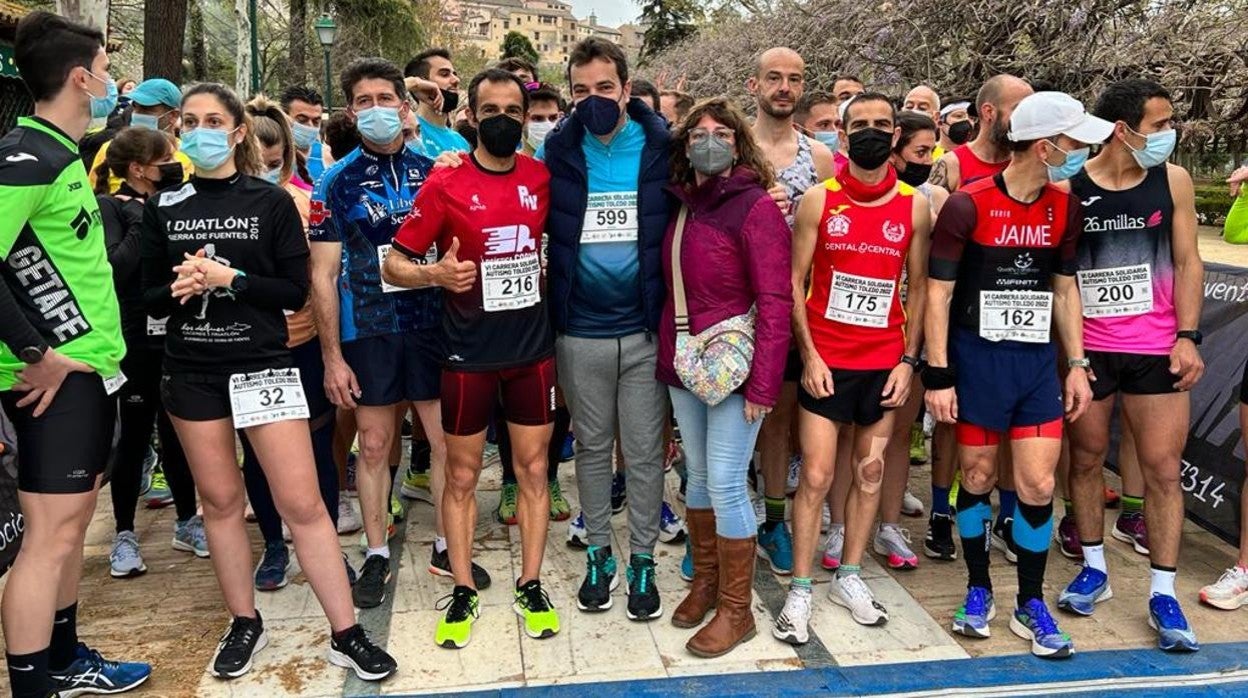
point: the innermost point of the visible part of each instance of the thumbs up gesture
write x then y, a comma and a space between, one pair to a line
452, 274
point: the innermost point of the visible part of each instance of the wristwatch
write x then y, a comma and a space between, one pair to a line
1195, 335
911, 361
1084, 363
239, 283
32, 354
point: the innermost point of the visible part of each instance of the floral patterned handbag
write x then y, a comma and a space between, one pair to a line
716, 361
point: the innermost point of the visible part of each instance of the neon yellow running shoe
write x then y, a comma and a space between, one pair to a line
533, 605
462, 610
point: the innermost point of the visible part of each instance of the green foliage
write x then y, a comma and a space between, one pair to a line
1213, 200
517, 45
668, 23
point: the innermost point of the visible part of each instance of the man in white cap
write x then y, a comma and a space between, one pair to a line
1004, 257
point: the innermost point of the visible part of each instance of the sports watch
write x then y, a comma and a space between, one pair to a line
32, 354
239, 283
1195, 335
1084, 363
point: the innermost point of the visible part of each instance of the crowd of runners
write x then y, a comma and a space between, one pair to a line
772, 305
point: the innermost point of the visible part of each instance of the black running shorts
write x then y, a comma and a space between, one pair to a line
64, 450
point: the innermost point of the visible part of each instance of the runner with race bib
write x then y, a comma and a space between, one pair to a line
489, 215
1002, 273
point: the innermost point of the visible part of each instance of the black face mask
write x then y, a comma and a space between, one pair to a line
171, 174
450, 100
914, 174
870, 147
500, 134
960, 132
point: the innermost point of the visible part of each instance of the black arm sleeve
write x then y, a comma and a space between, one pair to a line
288, 289
122, 228
15, 330
157, 273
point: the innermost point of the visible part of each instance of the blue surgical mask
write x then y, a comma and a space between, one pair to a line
305, 136
273, 176
599, 114
379, 125
1157, 148
1075, 160
101, 107
832, 139
147, 121
207, 148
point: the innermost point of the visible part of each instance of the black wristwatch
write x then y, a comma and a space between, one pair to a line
33, 354
1194, 335
911, 361
239, 283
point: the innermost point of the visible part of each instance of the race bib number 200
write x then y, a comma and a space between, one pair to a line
610, 217
1019, 316
267, 397
1116, 292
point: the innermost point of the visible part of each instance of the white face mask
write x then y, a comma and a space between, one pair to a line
537, 131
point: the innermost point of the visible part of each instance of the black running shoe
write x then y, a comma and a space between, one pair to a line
370, 589
938, 544
238, 646
358, 653
600, 580
351, 575
619, 492
1003, 539
440, 564
643, 596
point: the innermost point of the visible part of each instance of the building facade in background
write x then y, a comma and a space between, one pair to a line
548, 24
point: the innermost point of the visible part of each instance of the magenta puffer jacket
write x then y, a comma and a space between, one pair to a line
736, 253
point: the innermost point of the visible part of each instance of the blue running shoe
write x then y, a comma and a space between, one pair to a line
1165, 616
1033, 622
1085, 591
971, 620
578, 535
92, 674
686, 565
671, 526
271, 572
776, 547
568, 452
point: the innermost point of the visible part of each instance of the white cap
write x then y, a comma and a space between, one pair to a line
951, 108
1048, 114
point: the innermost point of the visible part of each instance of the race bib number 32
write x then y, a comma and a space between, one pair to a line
1019, 316
510, 283
1116, 292
267, 397
610, 217
860, 300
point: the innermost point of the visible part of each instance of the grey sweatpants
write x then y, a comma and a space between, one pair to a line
605, 381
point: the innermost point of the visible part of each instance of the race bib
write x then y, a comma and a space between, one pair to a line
860, 300
112, 385
610, 217
431, 257
1116, 292
156, 326
510, 283
1020, 316
266, 397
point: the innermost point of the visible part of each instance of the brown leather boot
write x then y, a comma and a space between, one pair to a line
704, 590
734, 619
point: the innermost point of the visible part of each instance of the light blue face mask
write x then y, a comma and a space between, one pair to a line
273, 176
379, 125
147, 121
1157, 147
101, 107
207, 148
832, 139
1075, 160
305, 136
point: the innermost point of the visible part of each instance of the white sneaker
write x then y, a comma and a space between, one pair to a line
760, 510
795, 473
825, 520
835, 545
348, 520
893, 542
793, 623
1229, 592
854, 594
911, 505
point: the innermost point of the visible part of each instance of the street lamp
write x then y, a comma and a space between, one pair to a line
327, 33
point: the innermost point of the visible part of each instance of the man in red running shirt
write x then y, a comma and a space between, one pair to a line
489, 215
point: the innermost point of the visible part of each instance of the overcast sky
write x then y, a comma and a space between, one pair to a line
611, 13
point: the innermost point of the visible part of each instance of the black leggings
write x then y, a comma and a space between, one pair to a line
307, 358
554, 452
140, 408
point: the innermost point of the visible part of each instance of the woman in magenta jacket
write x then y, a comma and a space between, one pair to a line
735, 255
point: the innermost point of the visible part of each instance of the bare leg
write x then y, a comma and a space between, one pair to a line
1161, 423
838, 495
897, 456
372, 471
870, 443
818, 436
459, 502
429, 414
533, 504
1089, 444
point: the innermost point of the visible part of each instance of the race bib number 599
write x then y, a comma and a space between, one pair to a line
1019, 316
267, 397
610, 217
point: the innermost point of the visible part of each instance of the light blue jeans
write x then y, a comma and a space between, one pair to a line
718, 444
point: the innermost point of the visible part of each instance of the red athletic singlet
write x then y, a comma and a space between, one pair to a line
971, 168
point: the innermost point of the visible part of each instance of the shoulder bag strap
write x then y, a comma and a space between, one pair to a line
678, 280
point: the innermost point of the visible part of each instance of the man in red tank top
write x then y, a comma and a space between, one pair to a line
989, 152
853, 236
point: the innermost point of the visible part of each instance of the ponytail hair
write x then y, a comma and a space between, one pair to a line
247, 152
272, 128
129, 146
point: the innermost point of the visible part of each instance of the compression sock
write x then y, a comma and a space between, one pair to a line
28, 674
64, 648
974, 523
1009, 501
940, 500
1132, 504
1033, 528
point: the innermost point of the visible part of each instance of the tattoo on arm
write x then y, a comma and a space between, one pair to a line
940, 174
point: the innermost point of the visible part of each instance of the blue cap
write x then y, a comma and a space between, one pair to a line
150, 93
